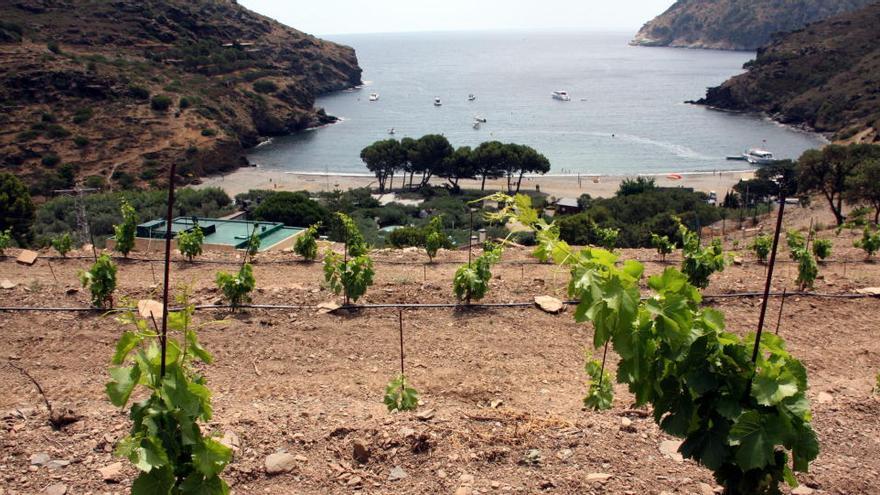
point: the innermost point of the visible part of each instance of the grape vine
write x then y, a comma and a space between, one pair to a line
236, 288
699, 263
307, 243
350, 273
63, 243
100, 279
125, 232
739, 417
662, 244
166, 444
190, 242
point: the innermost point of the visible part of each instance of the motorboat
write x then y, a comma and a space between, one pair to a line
561, 95
481, 119
437, 102
476, 124
374, 96
471, 97
391, 131
757, 156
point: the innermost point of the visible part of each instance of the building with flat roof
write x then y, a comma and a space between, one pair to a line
220, 234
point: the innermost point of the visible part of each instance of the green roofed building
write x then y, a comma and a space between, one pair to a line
220, 234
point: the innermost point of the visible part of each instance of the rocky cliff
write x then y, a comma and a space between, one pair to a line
736, 24
825, 77
112, 92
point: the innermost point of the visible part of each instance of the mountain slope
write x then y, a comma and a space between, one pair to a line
115, 91
736, 24
825, 77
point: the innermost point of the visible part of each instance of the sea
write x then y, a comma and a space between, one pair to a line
627, 113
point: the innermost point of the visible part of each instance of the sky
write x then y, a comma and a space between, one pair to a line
322, 17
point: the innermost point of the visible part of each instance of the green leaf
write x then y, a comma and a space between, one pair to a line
210, 457
124, 381
127, 342
770, 390
805, 447
193, 346
148, 454
757, 435
708, 447
156, 482
195, 484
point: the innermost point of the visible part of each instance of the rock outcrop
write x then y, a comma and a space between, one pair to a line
113, 92
825, 77
736, 24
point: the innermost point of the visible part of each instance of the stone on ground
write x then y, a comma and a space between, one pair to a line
280, 462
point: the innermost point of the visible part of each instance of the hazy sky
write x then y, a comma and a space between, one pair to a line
379, 16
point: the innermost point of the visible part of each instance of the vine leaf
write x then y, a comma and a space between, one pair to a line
756, 434
123, 383
156, 481
210, 457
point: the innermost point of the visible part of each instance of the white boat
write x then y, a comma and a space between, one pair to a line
471, 97
476, 124
374, 96
561, 95
391, 131
757, 156
481, 119
437, 102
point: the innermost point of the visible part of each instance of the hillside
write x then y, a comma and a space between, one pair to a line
825, 77
113, 92
735, 24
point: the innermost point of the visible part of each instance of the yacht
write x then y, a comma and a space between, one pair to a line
476, 124
471, 97
561, 95
437, 102
391, 131
479, 118
757, 156
374, 96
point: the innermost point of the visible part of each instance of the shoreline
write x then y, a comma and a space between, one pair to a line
559, 185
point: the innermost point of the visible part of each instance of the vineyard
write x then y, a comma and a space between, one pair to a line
500, 385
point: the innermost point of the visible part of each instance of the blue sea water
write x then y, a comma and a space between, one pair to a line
626, 115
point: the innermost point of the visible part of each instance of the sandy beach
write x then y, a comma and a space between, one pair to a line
245, 179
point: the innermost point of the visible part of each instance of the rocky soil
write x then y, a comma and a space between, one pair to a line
298, 392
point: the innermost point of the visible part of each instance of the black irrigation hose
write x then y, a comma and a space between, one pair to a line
819, 295
672, 261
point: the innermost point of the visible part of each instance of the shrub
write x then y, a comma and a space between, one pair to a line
53, 47
822, 248
306, 243
606, 237
761, 246
166, 443
50, 160
28, 135
139, 92
56, 131
5, 241
190, 242
83, 115
870, 242
807, 268
237, 288
124, 233
101, 281
524, 238
63, 243
265, 86
434, 237
160, 103
699, 262
184, 103
209, 132
406, 237
16, 208
795, 241
81, 141
290, 208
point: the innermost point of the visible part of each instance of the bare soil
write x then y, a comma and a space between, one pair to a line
501, 382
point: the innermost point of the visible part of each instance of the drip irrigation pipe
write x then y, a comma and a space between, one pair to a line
818, 295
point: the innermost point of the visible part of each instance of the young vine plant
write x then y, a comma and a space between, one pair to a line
63, 244
600, 390
471, 281
699, 263
662, 244
253, 245
100, 280
399, 396
870, 242
190, 242
434, 238
236, 288
166, 443
761, 246
822, 248
124, 233
350, 273
744, 416
307, 243
808, 270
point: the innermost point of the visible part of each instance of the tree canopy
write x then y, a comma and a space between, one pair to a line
828, 171
383, 158
16, 208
